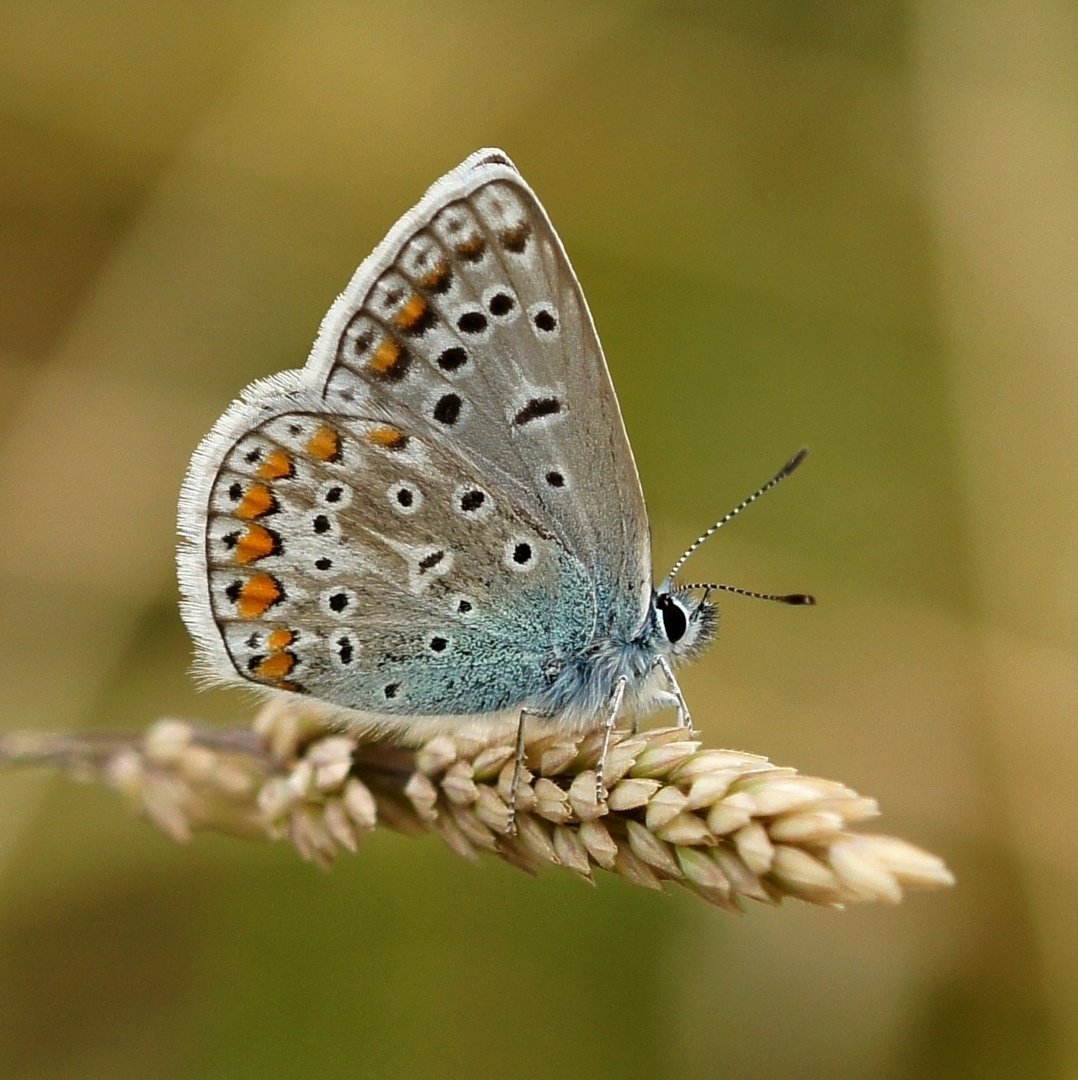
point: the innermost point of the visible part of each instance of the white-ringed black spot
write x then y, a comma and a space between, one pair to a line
321, 524
323, 564
429, 562
472, 322
405, 498
536, 409
555, 479
338, 602
500, 304
335, 494
544, 320
345, 649
390, 690
438, 644
447, 409
520, 555
452, 358
472, 502
235, 491
464, 606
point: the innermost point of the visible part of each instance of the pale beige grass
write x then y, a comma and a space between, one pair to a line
727, 825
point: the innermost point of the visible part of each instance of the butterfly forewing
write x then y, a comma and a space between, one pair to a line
474, 331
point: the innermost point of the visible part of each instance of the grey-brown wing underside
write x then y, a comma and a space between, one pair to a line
468, 326
373, 569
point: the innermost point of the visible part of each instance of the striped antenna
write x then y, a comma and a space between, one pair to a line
794, 598
773, 482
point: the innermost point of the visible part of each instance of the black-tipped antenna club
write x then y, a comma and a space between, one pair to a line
797, 599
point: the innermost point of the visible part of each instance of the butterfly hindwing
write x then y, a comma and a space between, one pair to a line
365, 566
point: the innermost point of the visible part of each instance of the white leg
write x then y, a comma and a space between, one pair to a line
683, 718
514, 787
608, 728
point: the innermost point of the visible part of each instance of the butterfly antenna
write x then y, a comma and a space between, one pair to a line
773, 482
797, 599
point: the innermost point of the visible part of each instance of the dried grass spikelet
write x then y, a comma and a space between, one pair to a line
724, 824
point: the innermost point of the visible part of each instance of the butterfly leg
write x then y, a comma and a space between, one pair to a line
683, 718
518, 772
608, 729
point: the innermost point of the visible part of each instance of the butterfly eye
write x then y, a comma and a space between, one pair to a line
675, 622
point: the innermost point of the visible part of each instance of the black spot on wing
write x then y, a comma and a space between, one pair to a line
536, 409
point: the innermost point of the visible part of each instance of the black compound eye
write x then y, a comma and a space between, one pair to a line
675, 622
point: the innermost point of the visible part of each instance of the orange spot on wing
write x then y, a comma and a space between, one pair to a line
257, 500
257, 595
386, 357
437, 279
277, 466
256, 543
471, 248
515, 238
412, 313
324, 444
279, 639
275, 666
388, 437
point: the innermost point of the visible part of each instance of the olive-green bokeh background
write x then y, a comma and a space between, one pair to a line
846, 223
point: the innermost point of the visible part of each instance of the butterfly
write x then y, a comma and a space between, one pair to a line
436, 525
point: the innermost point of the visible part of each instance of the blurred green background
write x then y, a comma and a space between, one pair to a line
846, 223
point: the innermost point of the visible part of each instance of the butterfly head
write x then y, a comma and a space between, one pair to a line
684, 621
